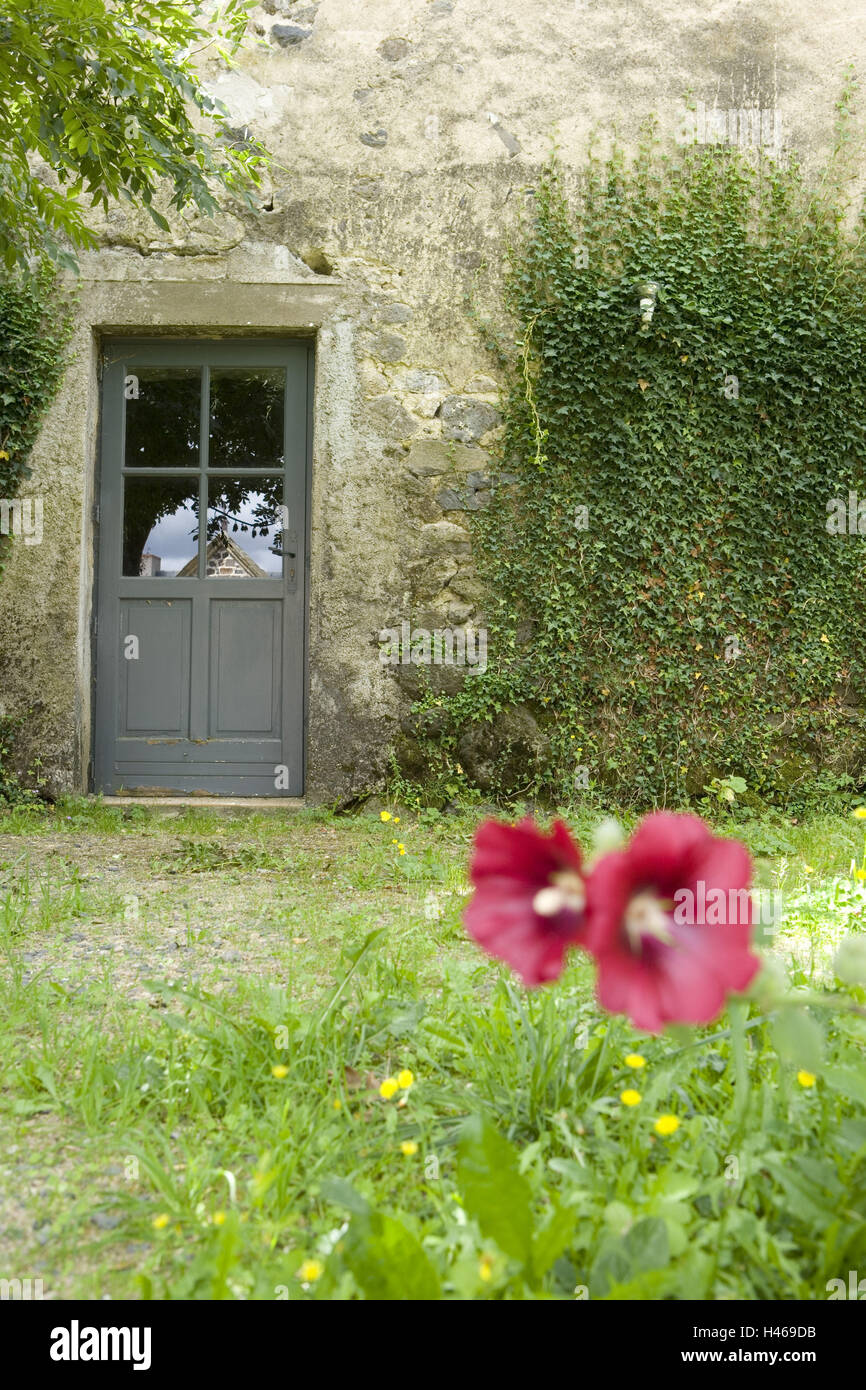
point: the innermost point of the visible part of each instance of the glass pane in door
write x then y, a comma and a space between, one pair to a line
163, 417
245, 528
160, 527
246, 417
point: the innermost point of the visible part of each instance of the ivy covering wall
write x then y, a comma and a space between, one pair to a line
35, 326
668, 593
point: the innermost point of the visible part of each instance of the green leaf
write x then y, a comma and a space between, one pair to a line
643, 1249
343, 1194
798, 1039
850, 962
647, 1245
849, 1083
805, 1200
493, 1190
388, 1262
612, 1265
553, 1238
46, 1076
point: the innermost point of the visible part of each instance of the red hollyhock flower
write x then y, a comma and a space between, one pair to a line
529, 897
669, 921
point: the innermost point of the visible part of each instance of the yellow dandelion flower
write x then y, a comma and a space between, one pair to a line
401, 849
310, 1271
279, 1071
160, 1222
806, 1079
389, 1087
860, 812
219, 1218
635, 1061
384, 815
396, 820
666, 1124
405, 1079
860, 873
409, 1148
337, 1104
631, 1097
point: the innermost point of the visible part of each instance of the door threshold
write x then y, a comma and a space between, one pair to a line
243, 803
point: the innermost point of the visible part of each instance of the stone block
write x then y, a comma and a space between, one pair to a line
466, 419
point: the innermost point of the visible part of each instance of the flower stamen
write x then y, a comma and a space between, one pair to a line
645, 916
565, 892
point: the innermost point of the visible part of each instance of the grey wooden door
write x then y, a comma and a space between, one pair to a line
201, 577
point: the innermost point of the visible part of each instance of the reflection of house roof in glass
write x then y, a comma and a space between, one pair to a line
225, 560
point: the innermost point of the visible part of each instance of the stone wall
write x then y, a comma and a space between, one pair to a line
405, 137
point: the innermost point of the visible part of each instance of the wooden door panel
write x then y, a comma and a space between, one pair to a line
155, 667
246, 657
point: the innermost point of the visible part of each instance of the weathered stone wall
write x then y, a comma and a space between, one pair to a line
405, 134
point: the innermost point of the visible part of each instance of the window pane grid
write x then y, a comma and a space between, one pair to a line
205, 441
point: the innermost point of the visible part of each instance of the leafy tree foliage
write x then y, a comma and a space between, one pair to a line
105, 94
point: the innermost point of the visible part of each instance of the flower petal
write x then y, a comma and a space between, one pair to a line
510, 865
685, 976
522, 851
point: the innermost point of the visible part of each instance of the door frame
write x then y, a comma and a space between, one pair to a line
108, 343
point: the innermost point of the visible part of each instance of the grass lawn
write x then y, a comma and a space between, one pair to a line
198, 1010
